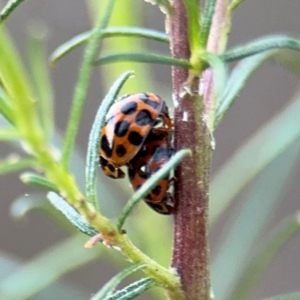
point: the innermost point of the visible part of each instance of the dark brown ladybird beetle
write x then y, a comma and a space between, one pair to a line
152, 156
128, 123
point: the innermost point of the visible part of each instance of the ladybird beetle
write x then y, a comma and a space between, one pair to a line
128, 123
151, 157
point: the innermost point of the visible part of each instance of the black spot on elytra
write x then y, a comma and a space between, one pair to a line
129, 108
111, 167
148, 197
121, 128
135, 138
108, 168
105, 146
120, 150
102, 161
131, 173
157, 190
146, 100
143, 152
143, 118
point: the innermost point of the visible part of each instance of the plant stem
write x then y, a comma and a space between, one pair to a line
191, 251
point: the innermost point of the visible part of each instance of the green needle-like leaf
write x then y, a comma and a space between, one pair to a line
46, 268
108, 288
15, 163
38, 181
19, 96
143, 58
261, 260
92, 159
151, 183
133, 290
206, 21
71, 214
237, 81
261, 45
82, 38
82, 84
192, 12
10, 6
275, 136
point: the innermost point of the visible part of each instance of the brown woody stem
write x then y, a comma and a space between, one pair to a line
191, 250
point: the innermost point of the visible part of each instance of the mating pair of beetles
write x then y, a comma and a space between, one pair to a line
137, 134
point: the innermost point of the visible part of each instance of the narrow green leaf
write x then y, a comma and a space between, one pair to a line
8, 134
261, 45
82, 38
71, 214
150, 183
92, 158
108, 288
262, 259
143, 58
206, 21
15, 163
10, 6
38, 181
275, 136
82, 84
133, 290
19, 94
237, 81
192, 8
46, 268
41, 81
294, 296
267, 190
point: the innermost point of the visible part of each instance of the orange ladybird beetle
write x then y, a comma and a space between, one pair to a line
155, 152
128, 123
